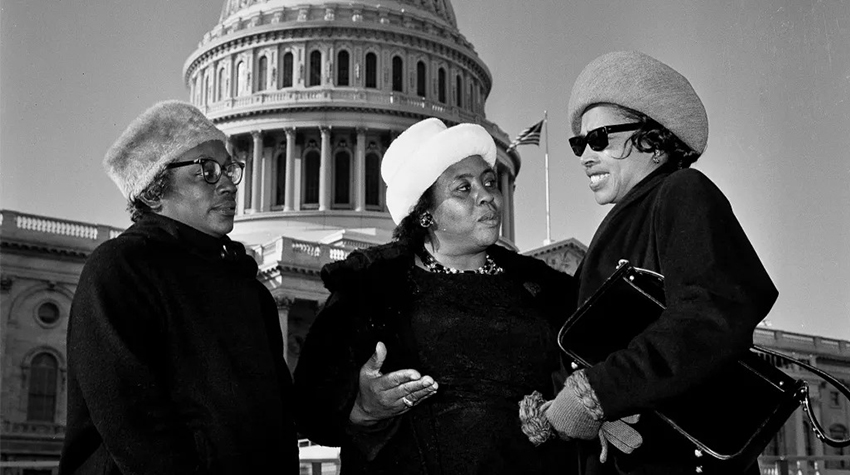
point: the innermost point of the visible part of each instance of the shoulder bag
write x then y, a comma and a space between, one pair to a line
731, 417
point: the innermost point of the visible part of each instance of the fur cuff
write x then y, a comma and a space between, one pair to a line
533, 421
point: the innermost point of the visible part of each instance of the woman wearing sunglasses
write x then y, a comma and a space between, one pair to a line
418, 360
638, 127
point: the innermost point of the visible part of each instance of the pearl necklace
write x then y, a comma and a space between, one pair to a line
489, 268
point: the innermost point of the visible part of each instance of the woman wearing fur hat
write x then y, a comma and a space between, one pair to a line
417, 361
175, 355
638, 127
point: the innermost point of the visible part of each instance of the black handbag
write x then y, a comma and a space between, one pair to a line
730, 418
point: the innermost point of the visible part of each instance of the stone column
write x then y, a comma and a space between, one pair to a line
325, 170
257, 171
360, 170
267, 193
283, 305
505, 179
240, 188
289, 192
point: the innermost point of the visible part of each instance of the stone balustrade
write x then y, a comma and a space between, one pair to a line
41, 230
301, 254
347, 97
33, 428
783, 340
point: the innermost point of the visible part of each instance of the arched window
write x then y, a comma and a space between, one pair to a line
459, 88
315, 68
206, 87
373, 181
280, 185
262, 70
287, 69
421, 80
441, 85
48, 313
220, 94
371, 70
41, 397
241, 78
310, 169
342, 179
342, 68
398, 74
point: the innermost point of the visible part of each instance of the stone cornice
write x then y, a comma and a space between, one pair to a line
38, 248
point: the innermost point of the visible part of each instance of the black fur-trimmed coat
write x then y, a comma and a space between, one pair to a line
369, 294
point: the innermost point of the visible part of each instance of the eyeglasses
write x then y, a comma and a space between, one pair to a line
597, 139
212, 170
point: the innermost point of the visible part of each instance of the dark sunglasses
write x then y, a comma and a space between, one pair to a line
212, 170
597, 139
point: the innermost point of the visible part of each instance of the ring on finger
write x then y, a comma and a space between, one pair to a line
407, 402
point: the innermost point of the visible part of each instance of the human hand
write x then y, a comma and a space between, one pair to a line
382, 396
619, 434
569, 417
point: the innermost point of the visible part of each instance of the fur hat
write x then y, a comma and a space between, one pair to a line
642, 83
153, 140
418, 156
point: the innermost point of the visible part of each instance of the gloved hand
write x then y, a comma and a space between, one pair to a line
570, 418
619, 434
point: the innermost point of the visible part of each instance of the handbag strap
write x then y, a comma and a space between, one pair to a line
817, 428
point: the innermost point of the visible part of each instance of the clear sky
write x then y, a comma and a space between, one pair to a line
774, 76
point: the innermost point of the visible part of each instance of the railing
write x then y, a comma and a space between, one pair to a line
304, 254
349, 96
783, 340
30, 227
805, 465
33, 428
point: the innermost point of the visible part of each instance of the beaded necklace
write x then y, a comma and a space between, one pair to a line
489, 268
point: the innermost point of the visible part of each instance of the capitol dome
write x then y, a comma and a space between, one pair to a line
311, 93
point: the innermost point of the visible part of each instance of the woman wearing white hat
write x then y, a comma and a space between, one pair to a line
417, 361
638, 127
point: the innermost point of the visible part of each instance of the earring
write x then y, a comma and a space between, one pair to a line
426, 220
656, 158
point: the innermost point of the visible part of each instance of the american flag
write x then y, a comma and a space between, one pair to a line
531, 135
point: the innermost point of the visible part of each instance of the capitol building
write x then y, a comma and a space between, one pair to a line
310, 94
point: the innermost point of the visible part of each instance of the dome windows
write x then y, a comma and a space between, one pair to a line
287, 69
398, 74
262, 72
342, 68
421, 79
315, 76
371, 70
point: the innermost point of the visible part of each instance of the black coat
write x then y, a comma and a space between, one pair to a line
175, 360
370, 292
677, 223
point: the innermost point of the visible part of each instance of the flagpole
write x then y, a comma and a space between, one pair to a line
546, 168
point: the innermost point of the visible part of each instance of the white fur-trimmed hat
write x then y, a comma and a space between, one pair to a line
153, 140
418, 156
642, 83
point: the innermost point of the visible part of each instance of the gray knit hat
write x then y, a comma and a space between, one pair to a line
642, 83
153, 140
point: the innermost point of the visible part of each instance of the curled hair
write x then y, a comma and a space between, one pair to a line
409, 229
154, 192
653, 137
